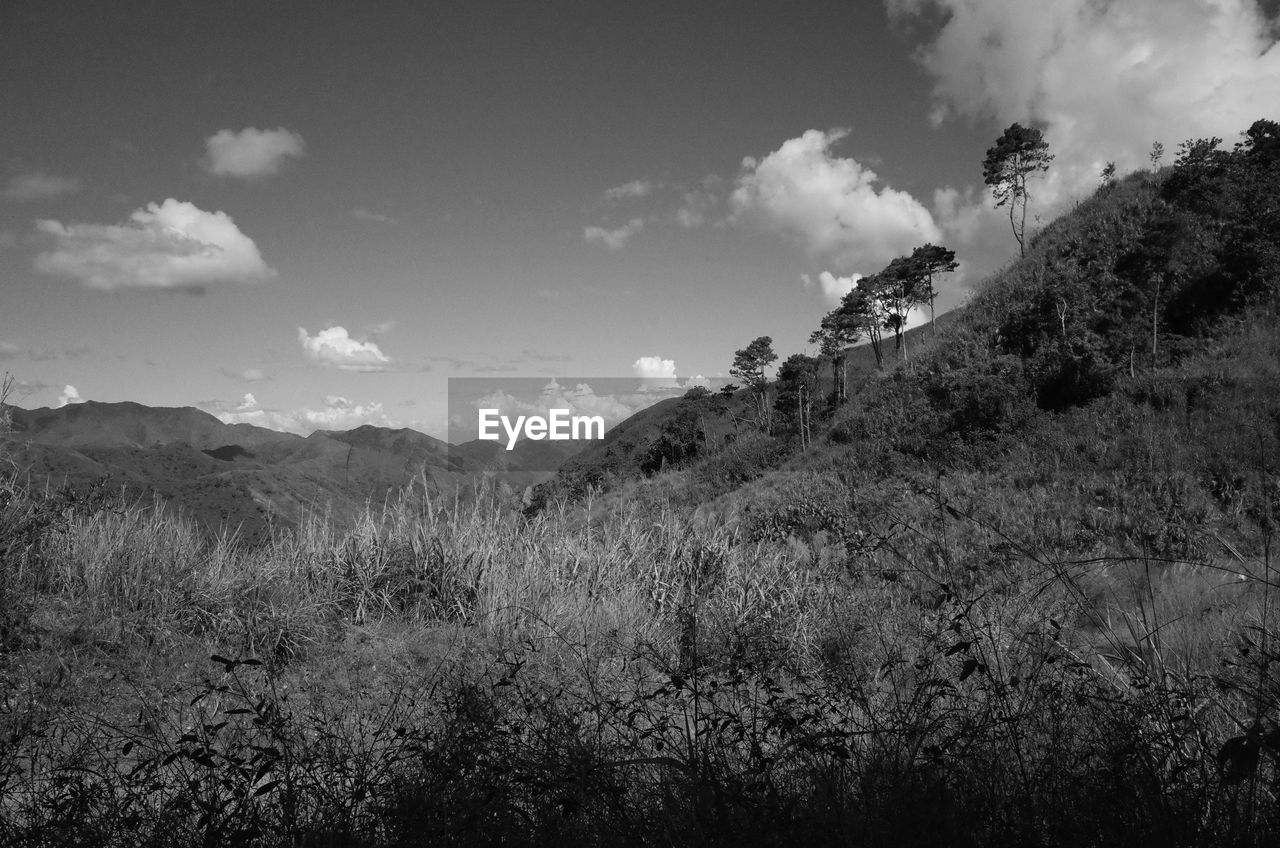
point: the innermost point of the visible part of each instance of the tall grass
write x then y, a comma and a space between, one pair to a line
901, 672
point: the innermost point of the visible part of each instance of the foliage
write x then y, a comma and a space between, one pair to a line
749, 366
1022, 594
1017, 154
796, 386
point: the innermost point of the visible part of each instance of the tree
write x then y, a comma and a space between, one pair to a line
748, 366
838, 331
863, 308
1156, 154
931, 260
1108, 175
1261, 142
797, 380
7, 382
1017, 154
902, 287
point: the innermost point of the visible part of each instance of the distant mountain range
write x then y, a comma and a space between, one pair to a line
244, 478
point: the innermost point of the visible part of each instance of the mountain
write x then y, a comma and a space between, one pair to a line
1151, 306
245, 478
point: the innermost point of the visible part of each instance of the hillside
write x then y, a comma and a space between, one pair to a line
1017, 590
247, 479
1135, 304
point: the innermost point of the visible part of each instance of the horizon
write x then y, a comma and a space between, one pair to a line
314, 217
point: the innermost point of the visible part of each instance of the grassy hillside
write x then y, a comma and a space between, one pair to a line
1017, 591
245, 480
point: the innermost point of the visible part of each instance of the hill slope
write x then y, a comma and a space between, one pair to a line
245, 478
1135, 304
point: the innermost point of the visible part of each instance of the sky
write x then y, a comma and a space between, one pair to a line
311, 216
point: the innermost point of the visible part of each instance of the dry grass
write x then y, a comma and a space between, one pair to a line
460, 674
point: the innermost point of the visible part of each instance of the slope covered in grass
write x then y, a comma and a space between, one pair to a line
1018, 591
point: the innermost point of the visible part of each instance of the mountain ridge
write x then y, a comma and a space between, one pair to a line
245, 478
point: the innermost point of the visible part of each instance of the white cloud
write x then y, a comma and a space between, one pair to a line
39, 186
635, 188
579, 399
698, 380
69, 395
980, 235
616, 238
833, 288
657, 373
334, 348
830, 203
1105, 80
250, 153
171, 245
8, 350
654, 368
338, 413
377, 217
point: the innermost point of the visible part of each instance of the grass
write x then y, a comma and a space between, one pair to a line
1021, 593
459, 674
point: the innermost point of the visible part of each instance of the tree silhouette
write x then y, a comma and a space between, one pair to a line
1018, 153
838, 331
931, 260
797, 381
748, 366
864, 308
902, 287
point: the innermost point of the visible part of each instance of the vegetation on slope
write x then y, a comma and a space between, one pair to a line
1017, 591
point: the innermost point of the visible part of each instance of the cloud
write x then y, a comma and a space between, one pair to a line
1104, 80
703, 204
69, 395
635, 188
251, 153
580, 399
334, 348
377, 217
614, 239
381, 328
979, 232
657, 373
38, 186
23, 389
171, 245
830, 204
337, 413
833, 288
654, 368
8, 350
